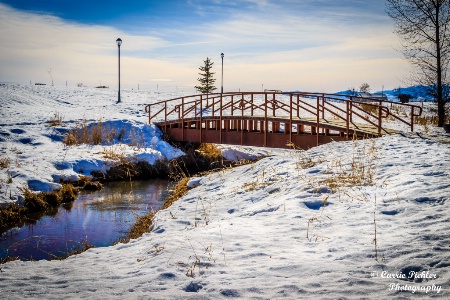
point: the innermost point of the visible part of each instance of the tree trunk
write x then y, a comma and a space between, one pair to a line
440, 100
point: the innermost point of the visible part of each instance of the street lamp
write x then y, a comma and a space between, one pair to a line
222, 55
119, 42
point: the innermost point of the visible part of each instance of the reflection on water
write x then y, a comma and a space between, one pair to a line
99, 218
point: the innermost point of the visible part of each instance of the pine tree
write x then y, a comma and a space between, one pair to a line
206, 80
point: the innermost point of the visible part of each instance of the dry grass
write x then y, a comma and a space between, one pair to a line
44, 202
346, 172
210, 151
95, 134
55, 120
84, 246
115, 152
302, 159
144, 223
12, 215
426, 120
258, 183
179, 191
5, 162
34, 202
358, 172
92, 186
369, 108
41, 202
68, 193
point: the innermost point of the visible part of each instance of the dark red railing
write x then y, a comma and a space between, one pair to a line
288, 106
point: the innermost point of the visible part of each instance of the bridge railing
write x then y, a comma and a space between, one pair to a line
291, 105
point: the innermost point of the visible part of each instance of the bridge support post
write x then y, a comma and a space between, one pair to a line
318, 120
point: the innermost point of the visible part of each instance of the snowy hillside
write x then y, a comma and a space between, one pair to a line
34, 150
351, 220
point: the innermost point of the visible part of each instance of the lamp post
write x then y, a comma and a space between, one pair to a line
119, 42
222, 55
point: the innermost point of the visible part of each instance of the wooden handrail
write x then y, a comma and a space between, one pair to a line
288, 105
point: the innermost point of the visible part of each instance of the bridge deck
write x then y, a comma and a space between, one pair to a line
332, 124
253, 130
276, 119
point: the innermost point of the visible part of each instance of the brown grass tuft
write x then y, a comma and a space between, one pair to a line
68, 193
10, 215
358, 172
84, 246
34, 202
370, 109
92, 186
81, 133
179, 191
210, 151
56, 120
5, 162
52, 198
143, 223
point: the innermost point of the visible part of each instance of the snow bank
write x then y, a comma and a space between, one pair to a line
38, 159
276, 229
261, 232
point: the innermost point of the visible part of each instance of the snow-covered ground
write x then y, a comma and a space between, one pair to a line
37, 157
295, 225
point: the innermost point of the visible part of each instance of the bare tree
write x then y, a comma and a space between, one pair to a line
424, 27
364, 88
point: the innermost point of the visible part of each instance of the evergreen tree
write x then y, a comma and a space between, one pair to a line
206, 80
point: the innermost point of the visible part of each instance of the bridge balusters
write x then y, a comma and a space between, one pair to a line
232, 105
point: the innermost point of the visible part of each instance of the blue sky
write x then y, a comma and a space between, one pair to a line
311, 45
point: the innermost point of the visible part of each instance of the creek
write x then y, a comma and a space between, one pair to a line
96, 218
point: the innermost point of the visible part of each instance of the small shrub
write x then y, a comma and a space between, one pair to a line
79, 134
404, 98
109, 134
136, 140
121, 134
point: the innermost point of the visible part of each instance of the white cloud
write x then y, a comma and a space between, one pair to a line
271, 45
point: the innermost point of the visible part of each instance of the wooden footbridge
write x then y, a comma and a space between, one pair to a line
277, 119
